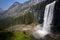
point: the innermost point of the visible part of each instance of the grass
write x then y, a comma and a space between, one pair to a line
6, 35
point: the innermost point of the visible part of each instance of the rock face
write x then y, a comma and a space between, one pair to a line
38, 16
18, 9
56, 19
51, 14
13, 10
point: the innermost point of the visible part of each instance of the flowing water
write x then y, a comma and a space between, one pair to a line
48, 16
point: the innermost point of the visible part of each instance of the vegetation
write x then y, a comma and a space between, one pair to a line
41, 5
6, 35
40, 9
27, 18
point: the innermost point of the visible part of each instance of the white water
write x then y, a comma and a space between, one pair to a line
48, 16
40, 32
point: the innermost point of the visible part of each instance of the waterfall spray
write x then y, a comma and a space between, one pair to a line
48, 17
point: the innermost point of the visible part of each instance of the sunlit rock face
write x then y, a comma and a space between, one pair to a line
18, 9
36, 1
56, 19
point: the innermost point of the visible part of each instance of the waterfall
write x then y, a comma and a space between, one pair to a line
48, 16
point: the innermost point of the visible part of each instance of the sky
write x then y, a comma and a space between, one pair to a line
5, 4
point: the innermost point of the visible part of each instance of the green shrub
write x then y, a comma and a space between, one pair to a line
6, 35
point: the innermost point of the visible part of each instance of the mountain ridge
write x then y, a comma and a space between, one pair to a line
19, 9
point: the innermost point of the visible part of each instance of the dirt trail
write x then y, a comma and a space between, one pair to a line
20, 28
